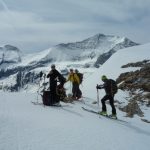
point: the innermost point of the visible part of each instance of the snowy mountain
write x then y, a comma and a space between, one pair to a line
89, 49
137, 88
113, 67
88, 53
25, 126
9, 54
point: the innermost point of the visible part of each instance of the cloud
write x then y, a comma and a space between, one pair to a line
36, 25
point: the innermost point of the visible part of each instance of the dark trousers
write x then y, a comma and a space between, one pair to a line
76, 90
54, 96
111, 101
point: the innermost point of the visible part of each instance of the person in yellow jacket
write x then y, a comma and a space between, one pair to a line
73, 77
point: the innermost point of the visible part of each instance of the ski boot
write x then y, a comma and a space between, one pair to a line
103, 113
113, 116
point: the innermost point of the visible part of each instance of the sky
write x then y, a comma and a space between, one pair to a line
39, 24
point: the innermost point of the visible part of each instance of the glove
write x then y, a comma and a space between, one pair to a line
98, 87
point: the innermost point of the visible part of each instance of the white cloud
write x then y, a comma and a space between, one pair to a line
36, 24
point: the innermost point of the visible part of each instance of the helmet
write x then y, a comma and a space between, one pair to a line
76, 70
71, 69
53, 66
104, 78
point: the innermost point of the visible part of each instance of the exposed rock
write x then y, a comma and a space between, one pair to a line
148, 104
139, 79
137, 64
138, 84
103, 58
132, 108
145, 120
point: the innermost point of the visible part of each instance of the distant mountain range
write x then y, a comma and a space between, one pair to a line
91, 52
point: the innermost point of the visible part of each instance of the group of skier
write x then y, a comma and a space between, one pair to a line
75, 78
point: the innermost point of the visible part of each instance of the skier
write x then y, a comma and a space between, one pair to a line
111, 90
54, 75
80, 75
41, 74
75, 84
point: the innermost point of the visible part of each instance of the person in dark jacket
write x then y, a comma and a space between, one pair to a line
107, 86
53, 76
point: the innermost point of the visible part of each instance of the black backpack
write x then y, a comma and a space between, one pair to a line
62, 79
114, 87
46, 98
80, 75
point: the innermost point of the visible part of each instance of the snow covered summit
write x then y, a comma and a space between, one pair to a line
84, 54
89, 49
9, 54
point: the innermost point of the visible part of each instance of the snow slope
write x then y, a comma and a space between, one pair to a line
25, 126
112, 67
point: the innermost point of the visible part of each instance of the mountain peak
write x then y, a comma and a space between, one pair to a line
99, 35
11, 48
9, 54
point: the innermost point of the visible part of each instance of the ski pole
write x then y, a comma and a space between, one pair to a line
97, 96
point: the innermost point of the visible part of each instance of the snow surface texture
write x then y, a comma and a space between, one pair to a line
24, 126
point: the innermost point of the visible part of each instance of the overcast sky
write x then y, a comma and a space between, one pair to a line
34, 25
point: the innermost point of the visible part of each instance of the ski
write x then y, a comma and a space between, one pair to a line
38, 103
95, 112
90, 110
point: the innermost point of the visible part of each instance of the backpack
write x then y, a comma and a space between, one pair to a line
80, 75
114, 87
61, 92
48, 98
62, 79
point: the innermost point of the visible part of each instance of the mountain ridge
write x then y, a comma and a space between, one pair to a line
88, 53
9, 54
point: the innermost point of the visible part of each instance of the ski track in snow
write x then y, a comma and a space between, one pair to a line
24, 126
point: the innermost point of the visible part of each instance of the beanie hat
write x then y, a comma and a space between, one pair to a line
104, 77
53, 66
76, 71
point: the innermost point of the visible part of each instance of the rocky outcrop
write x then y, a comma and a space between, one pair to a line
137, 64
103, 58
138, 84
139, 79
132, 108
